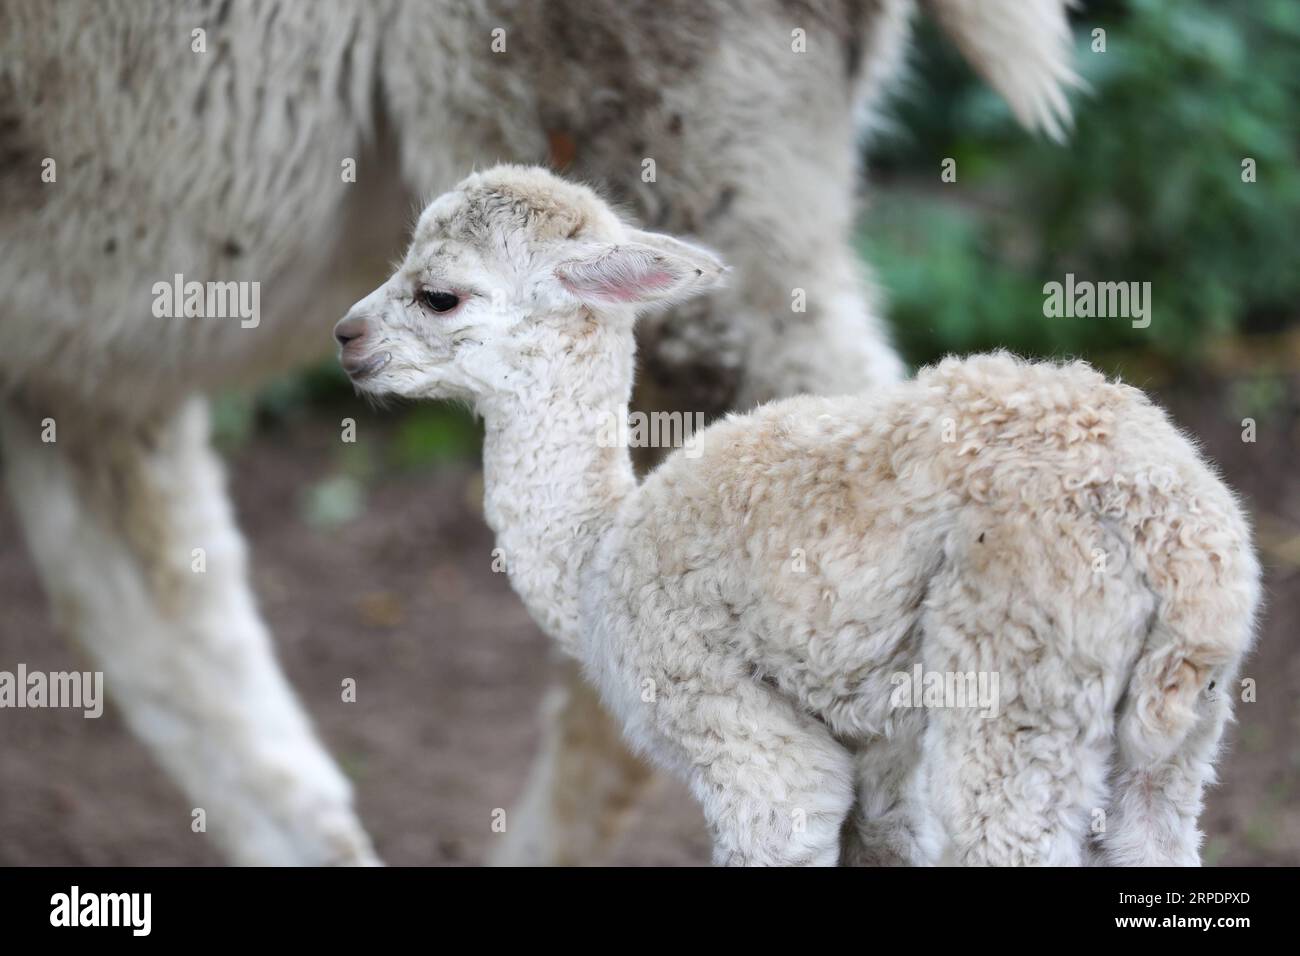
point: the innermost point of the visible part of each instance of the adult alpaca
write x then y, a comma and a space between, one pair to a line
206, 139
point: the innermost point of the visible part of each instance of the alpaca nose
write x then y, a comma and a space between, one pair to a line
349, 329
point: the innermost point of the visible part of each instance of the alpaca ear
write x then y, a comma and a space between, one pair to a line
648, 269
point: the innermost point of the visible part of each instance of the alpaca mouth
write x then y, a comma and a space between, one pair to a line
366, 368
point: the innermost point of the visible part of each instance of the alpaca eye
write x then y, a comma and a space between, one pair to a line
438, 301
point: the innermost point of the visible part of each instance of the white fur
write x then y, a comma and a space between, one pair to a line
113, 525
225, 165
1021, 47
954, 521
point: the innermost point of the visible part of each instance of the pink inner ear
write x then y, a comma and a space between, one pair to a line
628, 273
630, 291
615, 285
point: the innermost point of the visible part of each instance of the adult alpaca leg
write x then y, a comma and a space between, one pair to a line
583, 785
113, 511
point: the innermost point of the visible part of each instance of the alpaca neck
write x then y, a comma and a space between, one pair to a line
551, 485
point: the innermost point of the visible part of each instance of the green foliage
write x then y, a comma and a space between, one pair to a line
435, 433
1149, 188
422, 436
235, 414
332, 501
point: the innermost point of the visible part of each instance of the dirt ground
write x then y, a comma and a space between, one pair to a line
450, 672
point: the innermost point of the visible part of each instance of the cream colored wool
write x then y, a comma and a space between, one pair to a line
1029, 520
209, 139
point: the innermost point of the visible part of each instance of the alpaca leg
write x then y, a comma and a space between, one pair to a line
132, 533
1011, 794
888, 825
1032, 643
775, 786
582, 787
834, 344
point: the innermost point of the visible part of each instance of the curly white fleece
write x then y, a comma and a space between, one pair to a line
745, 609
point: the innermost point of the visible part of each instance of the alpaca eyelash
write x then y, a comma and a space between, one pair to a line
437, 301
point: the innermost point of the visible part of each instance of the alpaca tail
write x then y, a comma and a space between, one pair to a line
1022, 48
1179, 697
1207, 585
1168, 690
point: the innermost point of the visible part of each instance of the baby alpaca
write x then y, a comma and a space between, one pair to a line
746, 610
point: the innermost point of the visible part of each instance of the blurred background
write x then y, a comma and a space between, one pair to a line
372, 561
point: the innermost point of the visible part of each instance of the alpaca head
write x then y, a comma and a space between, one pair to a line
508, 276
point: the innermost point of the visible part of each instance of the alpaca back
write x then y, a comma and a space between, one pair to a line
822, 523
207, 156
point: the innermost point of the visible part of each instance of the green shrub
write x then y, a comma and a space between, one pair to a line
1149, 188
